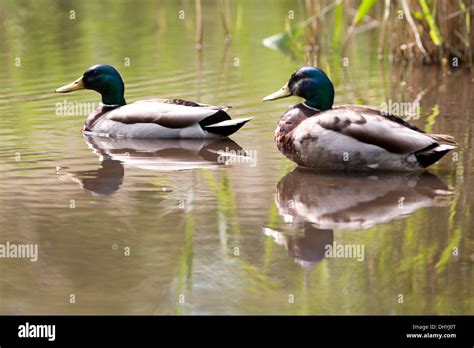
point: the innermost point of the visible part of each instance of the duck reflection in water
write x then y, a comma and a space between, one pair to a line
305, 244
116, 154
316, 203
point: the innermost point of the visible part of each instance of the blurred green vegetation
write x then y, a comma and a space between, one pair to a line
429, 32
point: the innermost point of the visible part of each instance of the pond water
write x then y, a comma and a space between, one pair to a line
174, 227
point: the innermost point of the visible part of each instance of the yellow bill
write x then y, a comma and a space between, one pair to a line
281, 93
73, 86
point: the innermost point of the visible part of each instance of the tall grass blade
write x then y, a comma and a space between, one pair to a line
434, 30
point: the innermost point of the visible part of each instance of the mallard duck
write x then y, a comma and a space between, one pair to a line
349, 137
148, 119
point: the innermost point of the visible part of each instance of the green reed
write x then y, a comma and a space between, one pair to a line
425, 31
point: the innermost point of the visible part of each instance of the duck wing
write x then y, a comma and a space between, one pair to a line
166, 114
372, 126
177, 101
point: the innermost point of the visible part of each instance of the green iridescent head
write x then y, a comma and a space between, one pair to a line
100, 78
310, 83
